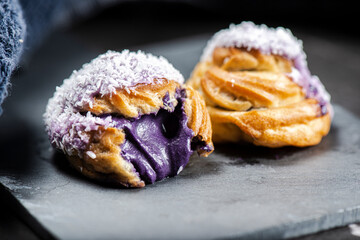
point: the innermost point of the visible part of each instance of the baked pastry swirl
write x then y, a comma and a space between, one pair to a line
127, 118
258, 88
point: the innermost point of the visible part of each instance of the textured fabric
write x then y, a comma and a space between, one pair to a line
12, 34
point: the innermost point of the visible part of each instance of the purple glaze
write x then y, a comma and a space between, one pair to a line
158, 145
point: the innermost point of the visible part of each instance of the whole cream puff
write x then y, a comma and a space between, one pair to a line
258, 88
126, 117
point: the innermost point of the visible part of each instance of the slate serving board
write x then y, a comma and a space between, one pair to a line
238, 192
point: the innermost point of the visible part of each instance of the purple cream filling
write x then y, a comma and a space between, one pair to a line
158, 145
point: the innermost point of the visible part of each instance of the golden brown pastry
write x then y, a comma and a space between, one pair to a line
258, 88
127, 118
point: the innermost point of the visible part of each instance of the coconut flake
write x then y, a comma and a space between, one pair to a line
180, 170
355, 229
91, 154
247, 35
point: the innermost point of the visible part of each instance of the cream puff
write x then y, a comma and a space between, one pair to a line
258, 88
126, 117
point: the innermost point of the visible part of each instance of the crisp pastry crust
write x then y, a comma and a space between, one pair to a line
245, 89
144, 99
254, 96
199, 119
104, 161
297, 124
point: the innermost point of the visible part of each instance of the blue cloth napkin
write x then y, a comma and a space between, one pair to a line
12, 35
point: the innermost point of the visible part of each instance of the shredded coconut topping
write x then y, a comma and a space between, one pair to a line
278, 41
247, 35
66, 127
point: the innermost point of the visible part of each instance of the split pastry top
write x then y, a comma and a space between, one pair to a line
127, 118
258, 88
